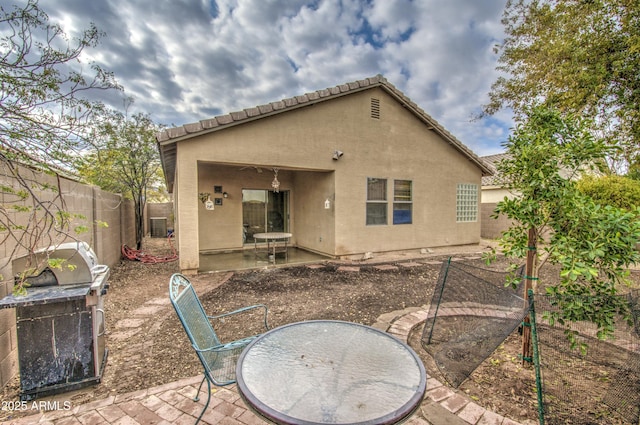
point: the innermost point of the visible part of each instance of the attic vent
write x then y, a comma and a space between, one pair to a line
375, 108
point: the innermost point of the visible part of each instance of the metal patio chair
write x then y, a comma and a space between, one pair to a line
218, 358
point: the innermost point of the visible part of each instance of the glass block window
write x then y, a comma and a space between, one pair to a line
376, 201
402, 202
467, 203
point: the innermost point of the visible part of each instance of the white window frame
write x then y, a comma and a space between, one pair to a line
377, 202
398, 199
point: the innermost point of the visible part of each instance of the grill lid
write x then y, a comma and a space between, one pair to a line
80, 264
45, 278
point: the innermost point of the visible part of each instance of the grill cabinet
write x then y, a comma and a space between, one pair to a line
61, 322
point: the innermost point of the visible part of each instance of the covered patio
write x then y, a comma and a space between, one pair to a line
347, 170
247, 259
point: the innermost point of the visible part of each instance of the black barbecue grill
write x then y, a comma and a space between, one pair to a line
60, 321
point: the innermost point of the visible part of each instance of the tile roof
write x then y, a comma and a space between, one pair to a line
168, 137
497, 180
492, 161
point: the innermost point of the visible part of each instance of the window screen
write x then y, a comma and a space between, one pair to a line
376, 201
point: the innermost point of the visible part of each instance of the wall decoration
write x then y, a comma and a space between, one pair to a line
203, 196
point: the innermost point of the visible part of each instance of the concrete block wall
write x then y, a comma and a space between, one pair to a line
159, 209
492, 228
8, 343
87, 204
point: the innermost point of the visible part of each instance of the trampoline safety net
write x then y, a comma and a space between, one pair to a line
471, 314
607, 374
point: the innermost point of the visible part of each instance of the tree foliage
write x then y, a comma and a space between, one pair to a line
124, 159
617, 191
581, 56
593, 244
42, 98
44, 108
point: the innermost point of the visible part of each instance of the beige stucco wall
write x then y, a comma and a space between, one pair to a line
494, 194
221, 228
315, 227
491, 227
301, 143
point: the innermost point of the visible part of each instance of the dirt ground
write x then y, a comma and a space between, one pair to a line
152, 349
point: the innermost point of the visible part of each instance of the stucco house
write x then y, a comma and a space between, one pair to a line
346, 170
493, 191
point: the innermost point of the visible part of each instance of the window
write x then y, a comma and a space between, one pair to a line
467, 203
376, 201
402, 202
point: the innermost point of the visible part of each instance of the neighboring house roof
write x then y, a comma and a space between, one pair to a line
169, 137
492, 161
497, 180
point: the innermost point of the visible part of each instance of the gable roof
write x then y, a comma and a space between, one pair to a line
492, 161
498, 179
168, 138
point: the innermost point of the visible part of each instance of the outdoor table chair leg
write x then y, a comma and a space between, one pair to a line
197, 397
208, 398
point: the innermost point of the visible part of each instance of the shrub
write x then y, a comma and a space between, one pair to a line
616, 191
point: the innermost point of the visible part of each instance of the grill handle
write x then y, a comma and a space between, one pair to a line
104, 323
100, 268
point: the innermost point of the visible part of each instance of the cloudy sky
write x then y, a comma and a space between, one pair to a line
188, 60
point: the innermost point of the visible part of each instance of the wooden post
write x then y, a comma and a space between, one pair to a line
530, 276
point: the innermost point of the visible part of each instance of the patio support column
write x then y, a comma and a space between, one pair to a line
187, 212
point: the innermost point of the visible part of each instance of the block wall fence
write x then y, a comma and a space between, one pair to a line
95, 206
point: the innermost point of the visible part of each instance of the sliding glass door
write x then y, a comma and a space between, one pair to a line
264, 211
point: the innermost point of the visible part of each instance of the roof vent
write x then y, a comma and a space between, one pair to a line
375, 108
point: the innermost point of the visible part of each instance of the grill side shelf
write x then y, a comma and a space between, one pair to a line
46, 295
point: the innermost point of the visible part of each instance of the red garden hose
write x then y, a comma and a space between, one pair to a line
139, 255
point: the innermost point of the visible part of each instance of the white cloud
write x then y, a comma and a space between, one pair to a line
185, 61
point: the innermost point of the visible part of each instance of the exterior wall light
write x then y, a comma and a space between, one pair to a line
337, 155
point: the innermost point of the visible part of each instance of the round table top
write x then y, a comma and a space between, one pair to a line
322, 371
272, 235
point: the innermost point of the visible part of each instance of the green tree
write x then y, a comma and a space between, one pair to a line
553, 221
124, 159
617, 191
44, 108
581, 56
157, 192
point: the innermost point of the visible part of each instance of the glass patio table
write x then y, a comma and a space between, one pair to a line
276, 242
330, 372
